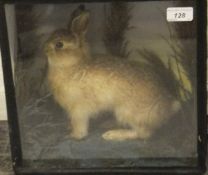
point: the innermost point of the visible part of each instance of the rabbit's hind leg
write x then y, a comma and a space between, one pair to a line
125, 115
120, 134
127, 134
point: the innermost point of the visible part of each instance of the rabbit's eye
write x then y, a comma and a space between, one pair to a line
59, 45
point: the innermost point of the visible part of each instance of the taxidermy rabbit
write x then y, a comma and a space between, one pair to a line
84, 85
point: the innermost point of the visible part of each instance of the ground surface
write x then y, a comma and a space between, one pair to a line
5, 162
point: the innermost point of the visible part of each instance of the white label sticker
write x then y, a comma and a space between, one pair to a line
180, 14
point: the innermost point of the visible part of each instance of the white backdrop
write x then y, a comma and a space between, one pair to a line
3, 114
10, 16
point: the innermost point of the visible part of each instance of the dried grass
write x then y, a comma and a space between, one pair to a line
116, 24
157, 66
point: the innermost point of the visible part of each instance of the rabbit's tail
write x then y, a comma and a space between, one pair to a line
176, 106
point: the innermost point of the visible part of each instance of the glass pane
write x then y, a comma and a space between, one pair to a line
105, 84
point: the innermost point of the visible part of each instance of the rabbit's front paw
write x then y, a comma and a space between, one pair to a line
78, 135
120, 135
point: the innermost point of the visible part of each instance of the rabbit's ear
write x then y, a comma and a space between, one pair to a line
80, 23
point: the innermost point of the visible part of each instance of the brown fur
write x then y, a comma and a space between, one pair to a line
84, 85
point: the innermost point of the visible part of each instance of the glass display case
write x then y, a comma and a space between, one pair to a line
105, 86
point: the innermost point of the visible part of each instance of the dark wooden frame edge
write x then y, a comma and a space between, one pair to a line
201, 102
